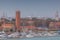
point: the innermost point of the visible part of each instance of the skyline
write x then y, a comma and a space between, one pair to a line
34, 8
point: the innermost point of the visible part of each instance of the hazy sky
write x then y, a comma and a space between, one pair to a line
34, 8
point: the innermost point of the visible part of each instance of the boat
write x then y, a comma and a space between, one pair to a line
29, 35
3, 34
52, 34
14, 35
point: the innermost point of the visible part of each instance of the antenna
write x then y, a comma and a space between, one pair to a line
6, 15
57, 16
3, 16
32, 15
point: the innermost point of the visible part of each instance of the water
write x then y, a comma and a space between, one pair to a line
36, 38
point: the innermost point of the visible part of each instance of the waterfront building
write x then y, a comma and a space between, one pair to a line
1, 28
8, 27
54, 25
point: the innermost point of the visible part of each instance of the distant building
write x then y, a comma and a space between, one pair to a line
8, 27
54, 25
27, 23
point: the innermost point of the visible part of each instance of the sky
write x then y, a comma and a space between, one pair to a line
34, 8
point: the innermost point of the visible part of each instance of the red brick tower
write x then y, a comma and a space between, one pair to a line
17, 20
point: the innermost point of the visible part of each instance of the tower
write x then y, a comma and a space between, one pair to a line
17, 20
57, 16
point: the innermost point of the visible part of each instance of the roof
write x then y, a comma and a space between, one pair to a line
29, 27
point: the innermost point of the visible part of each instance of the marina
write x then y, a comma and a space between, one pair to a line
29, 20
29, 35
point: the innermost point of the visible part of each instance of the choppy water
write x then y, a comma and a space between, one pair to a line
36, 38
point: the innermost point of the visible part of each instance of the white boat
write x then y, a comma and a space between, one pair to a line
48, 34
29, 36
3, 34
13, 35
52, 34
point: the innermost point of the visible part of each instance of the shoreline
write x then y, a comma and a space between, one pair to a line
32, 37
